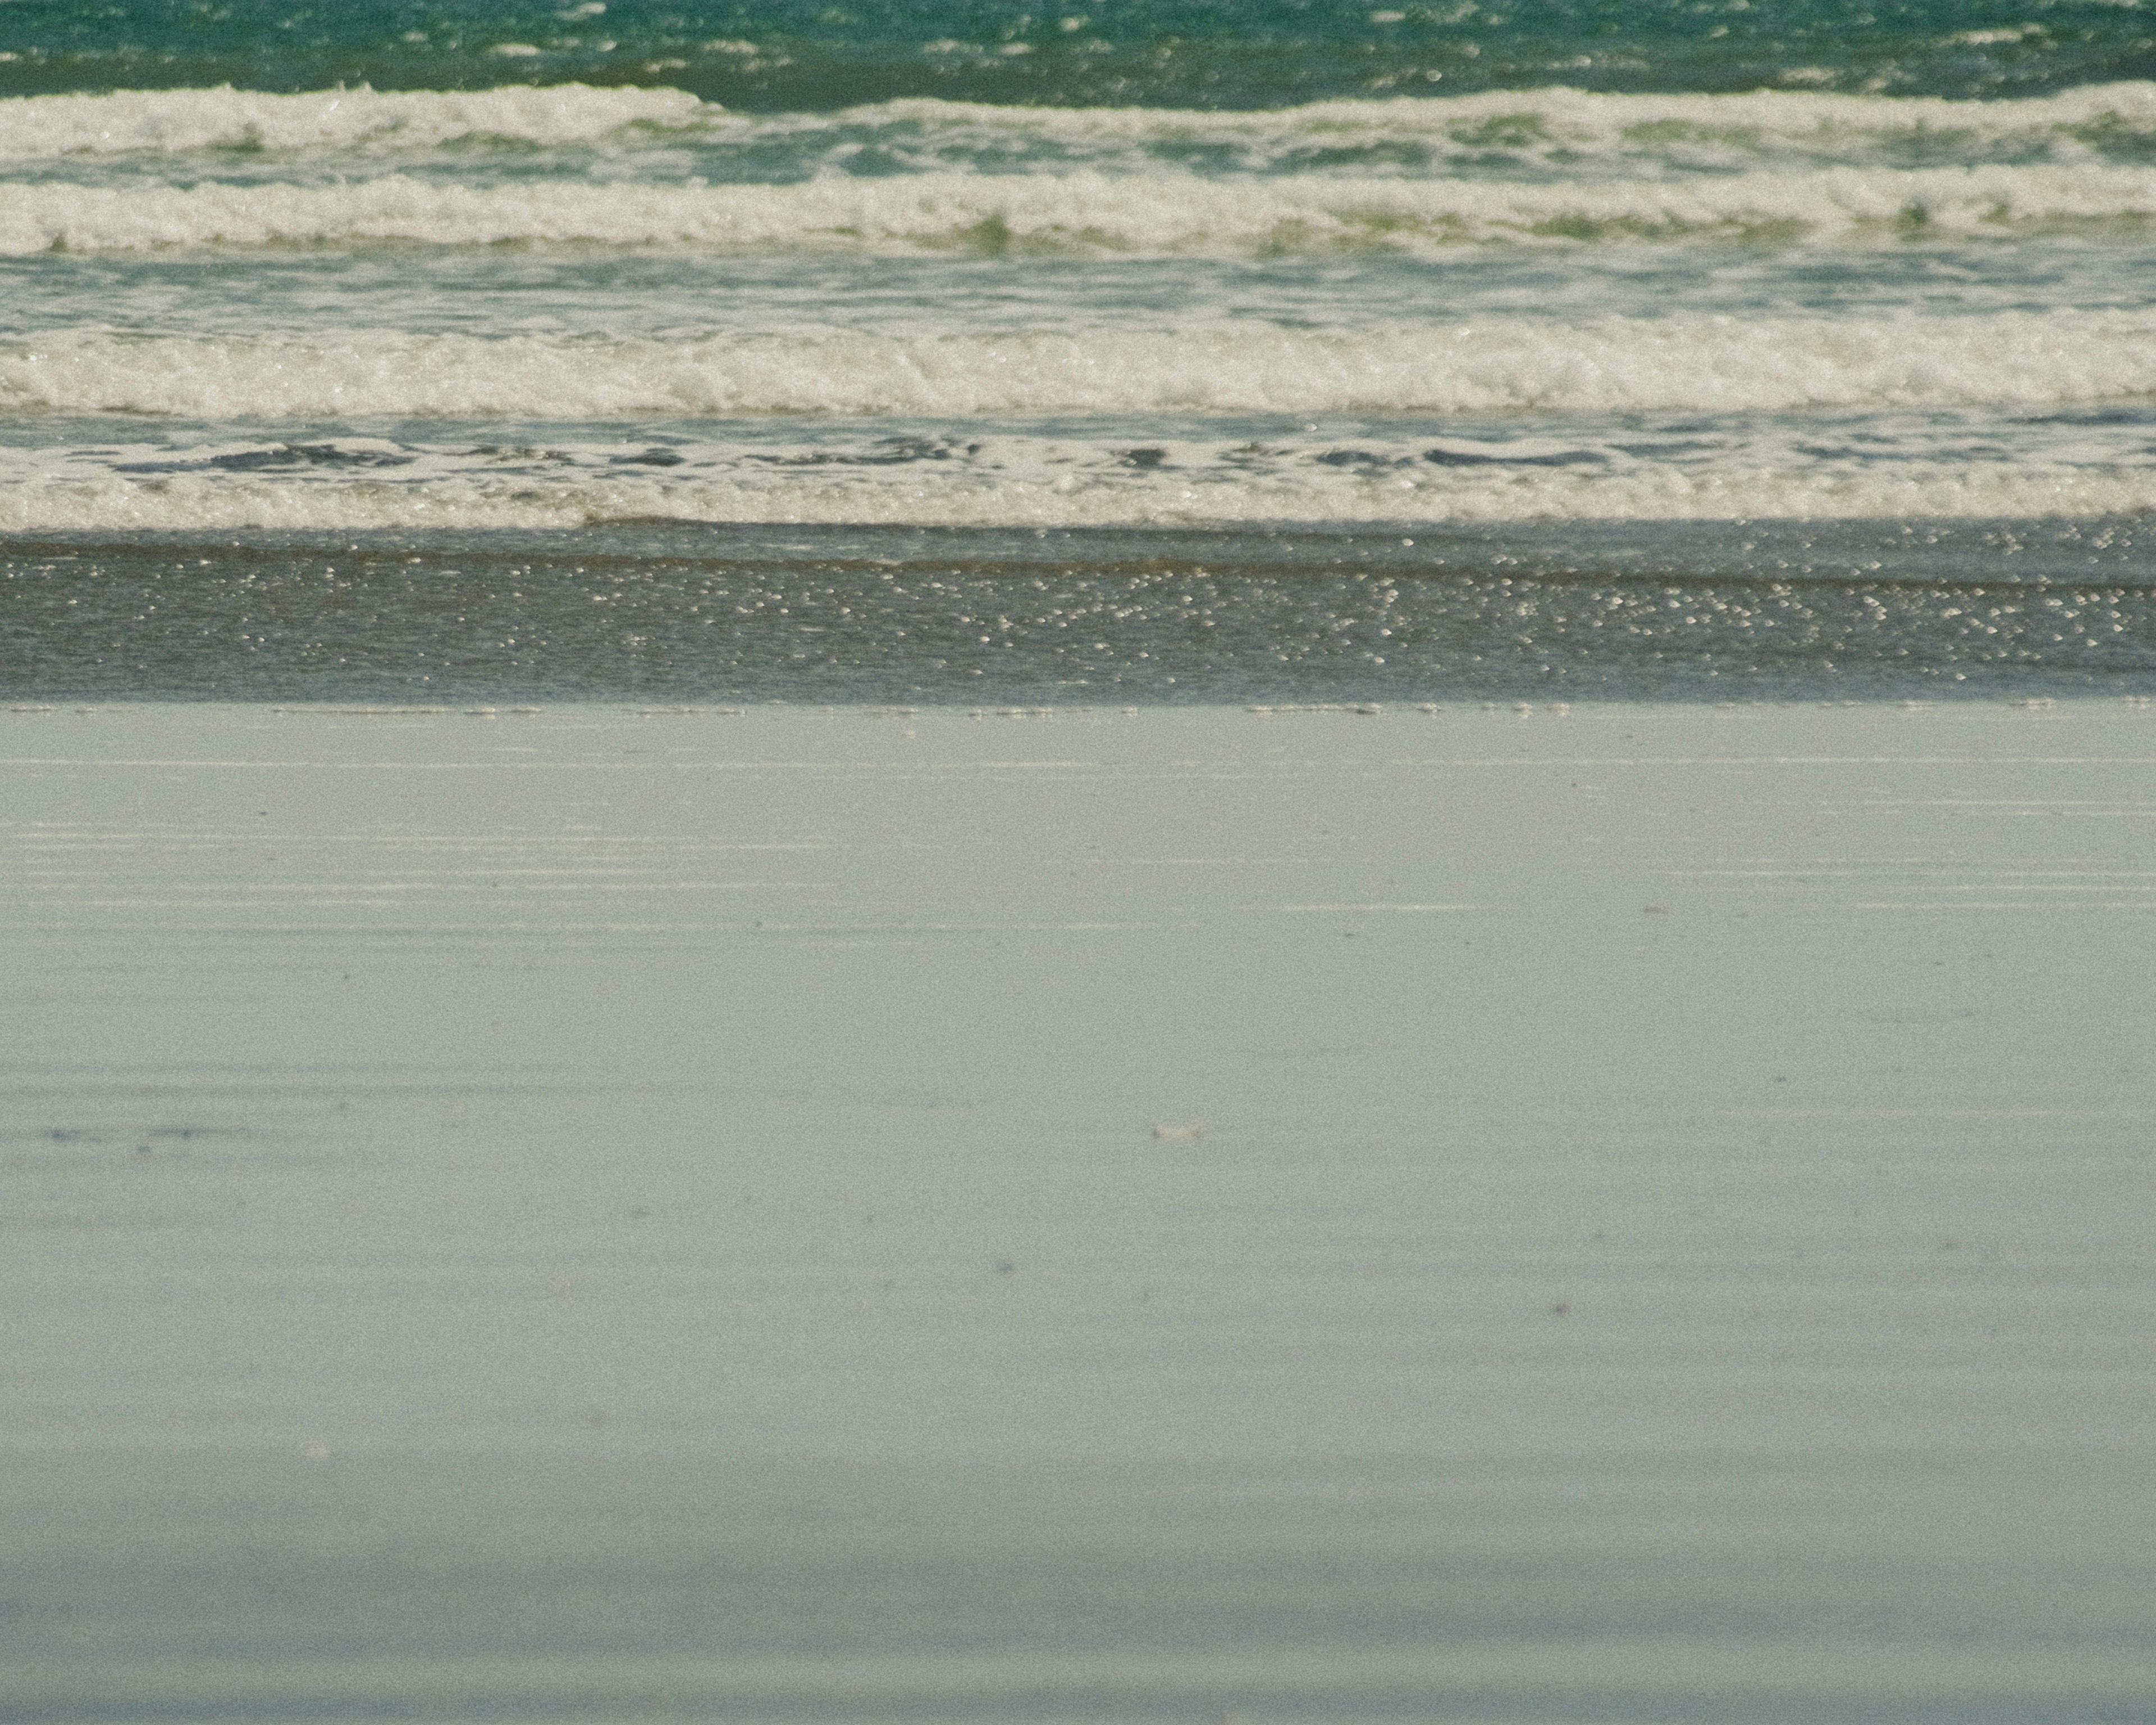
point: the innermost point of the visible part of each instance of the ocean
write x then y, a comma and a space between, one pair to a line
1230, 862
1806, 312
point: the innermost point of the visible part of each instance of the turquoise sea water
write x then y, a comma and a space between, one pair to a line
801, 55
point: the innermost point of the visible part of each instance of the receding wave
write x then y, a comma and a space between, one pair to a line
1050, 215
1680, 362
865, 495
1567, 131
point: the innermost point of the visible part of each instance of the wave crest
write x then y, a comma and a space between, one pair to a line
1677, 363
1936, 490
1158, 215
176, 122
1553, 126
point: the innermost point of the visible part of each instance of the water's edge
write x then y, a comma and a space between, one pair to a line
746, 611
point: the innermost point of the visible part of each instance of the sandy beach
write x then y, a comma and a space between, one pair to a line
1628, 1212
1225, 862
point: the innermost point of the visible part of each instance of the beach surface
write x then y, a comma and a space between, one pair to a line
1629, 1213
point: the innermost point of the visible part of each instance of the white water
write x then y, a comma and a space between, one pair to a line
1498, 365
1035, 493
1557, 130
176, 122
1155, 214
1698, 306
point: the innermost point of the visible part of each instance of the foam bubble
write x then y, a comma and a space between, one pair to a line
1680, 362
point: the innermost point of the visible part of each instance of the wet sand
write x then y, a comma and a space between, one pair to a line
1567, 610
1623, 1213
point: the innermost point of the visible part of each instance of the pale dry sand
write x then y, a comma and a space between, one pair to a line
1630, 1212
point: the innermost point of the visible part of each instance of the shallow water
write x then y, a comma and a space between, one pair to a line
1690, 611
529, 307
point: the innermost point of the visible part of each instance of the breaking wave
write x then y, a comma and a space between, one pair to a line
1083, 214
1680, 362
1154, 215
174, 122
1556, 129
842, 496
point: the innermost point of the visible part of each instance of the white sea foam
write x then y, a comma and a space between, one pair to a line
824, 495
1553, 184
1568, 129
1683, 362
183, 121
1155, 214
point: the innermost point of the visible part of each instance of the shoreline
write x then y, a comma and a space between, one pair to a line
2008, 609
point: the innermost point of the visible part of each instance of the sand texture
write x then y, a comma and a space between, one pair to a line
1630, 1214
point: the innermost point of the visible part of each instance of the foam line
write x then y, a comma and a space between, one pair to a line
1084, 213
1936, 489
1517, 124
1680, 362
